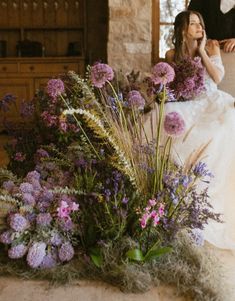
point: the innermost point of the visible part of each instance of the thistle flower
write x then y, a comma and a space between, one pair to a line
6, 237
135, 100
66, 252
55, 87
174, 124
36, 254
162, 73
43, 219
17, 251
18, 222
100, 74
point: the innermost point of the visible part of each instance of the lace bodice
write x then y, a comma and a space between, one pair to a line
210, 85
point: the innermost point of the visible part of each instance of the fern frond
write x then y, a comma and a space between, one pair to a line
67, 190
6, 175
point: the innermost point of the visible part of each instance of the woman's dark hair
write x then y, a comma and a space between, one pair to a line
180, 25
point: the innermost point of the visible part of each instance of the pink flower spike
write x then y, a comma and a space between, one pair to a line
63, 210
143, 221
74, 206
152, 202
156, 220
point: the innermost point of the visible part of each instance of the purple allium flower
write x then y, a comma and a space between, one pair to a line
66, 224
26, 109
49, 261
19, 157
8, 185
17, 251
56, 239
55, 87
36, 254
135, 100
200, 170
6, 237
46, 196
33, 175
162, 73
28, 199
41, 153
49, 120
44, 219
174, 124
66, 252
100, 73
26, 187
18, 222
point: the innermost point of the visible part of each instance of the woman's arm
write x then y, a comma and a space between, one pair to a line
205, 51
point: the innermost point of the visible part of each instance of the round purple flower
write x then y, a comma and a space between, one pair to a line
56, 239
66, 251
17, 251
100, 74
174, 124
49, 261
55, 87
162, 73
18, 222
36, 254
6, 237
44, 219
8, 185
26, 188
28, 199
135, 100
33, 175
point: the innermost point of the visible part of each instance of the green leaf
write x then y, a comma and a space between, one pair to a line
155, 253
96, 257
135, 254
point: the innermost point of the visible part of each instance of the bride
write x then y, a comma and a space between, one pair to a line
209, 117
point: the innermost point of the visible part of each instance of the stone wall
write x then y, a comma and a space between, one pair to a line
129, 40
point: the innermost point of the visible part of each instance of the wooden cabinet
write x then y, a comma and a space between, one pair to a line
38, 40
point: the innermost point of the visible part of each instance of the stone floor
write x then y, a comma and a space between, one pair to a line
14, 289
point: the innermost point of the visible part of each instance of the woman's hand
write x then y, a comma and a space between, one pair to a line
202, 42
228, 45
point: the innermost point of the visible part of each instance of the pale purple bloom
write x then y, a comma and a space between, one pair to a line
33, 175
18, 222
67, 224
49, 261
174, 124
162, 73
19, 157
44, 219
74, 206
36, 254
197, 236
26, 109
8, 185
28, 199
144, 219
100, 74
55, 87
26, 188
56, 239
66, 251
17, 251
152, 202
6, 237
125, 200
135, 100
63, 211
201, 170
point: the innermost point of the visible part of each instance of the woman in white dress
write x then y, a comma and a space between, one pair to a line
209, 117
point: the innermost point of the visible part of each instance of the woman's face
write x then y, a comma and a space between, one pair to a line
195, 29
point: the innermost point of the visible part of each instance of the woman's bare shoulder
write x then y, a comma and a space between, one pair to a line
170, 55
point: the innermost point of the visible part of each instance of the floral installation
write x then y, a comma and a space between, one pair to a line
105, 196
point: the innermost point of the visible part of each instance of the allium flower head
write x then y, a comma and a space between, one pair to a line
26, 188
55, 87
18, 222
17, 251
44, 219
28, 199
135, 100
33, 175
162, 73
8, 185
66, 251
6, 237
100, 74
174, 124
36, 254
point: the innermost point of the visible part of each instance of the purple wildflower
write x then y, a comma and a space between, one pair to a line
26, 109
100, 74
36, 254
33, 175
26, 187
18, 222
200, 170
6, 237
174, 124
135, 100
66, 252
41, 153
162, 73
28, 199
55, 87
8, 185
49, 261
44, 219
56, 239
17, 251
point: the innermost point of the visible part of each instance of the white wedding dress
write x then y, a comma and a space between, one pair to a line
211, 117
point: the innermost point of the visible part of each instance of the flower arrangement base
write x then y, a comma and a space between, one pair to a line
188, 273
